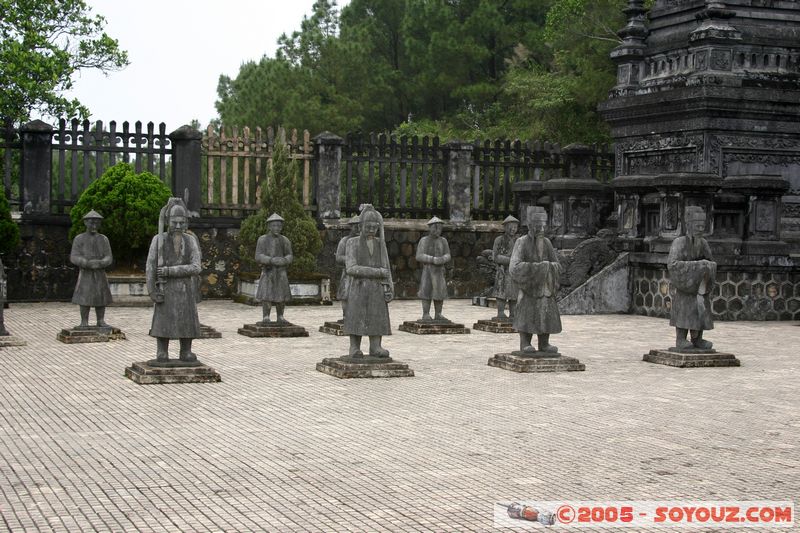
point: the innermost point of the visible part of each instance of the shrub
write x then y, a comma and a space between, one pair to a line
130, 204
280, 196
9, 231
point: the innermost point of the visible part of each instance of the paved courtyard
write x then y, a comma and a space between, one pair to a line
278, 446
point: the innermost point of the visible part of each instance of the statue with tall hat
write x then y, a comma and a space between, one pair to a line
91, 253
433, 253
173, 264
274, 254
341, 259
692, 272
534, 267
505, 290
370, 287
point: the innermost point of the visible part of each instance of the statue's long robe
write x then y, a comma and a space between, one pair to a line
341, 258
273, 286
367, 310
693, 281
175, 317
92, 287
432, 285
504, 286
535, 268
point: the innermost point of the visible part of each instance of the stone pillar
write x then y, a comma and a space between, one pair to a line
329, 162
629, 55
37, 150
630, 192
459, 167
186, 156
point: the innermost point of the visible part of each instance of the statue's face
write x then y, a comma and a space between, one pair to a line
537, 224
92, 224
696, 226
275, 227
177, 223
371, 228
511, 228
435, 230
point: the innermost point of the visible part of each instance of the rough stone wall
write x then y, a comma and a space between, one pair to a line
740, 293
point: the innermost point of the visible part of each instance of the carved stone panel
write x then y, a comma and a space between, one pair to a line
765, 216
721, 59
558, 214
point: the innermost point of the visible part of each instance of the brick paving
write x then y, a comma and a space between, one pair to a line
278, 446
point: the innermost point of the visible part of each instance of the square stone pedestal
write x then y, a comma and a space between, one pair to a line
333, 328
495, 325
174, 371
364, 367
207, 332
519, 362
272, 329
80, 334
691, 358
11, 340
432, 327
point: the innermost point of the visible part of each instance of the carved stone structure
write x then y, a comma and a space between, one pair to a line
173, 263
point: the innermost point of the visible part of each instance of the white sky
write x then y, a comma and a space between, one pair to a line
212, 37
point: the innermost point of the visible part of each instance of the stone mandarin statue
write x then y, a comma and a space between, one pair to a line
505, 290
433, 253
341, 259
173, 263
371, 288
3, 296
692, 272
274, 254
91, 253
535, 268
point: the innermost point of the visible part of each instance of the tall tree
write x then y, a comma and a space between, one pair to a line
42, 45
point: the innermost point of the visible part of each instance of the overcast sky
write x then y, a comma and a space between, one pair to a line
177, 50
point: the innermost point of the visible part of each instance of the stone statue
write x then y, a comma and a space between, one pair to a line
692, 272
504, 287
173, 264
91, 252
535, 268
433, 253
341, 259
3, 295
274, 254
371, 288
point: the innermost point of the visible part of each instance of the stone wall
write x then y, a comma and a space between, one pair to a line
748, 289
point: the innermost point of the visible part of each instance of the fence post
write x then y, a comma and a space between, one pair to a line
36, 167
186, 154
459, 166
329, 161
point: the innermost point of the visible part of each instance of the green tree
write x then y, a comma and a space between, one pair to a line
42, 45
130, 204
280, 196
9, 231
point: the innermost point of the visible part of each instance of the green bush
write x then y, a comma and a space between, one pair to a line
280, 196
9, 231
130, 204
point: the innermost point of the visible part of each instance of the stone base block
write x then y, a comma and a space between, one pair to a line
80, 334
332, 328
11, 340
516, 362
432, 327
149, 373
207, 332
364, 367
494, 326
272, 329
691, 358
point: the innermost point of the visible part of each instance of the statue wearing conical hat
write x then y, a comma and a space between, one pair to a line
173, 263
692, 272
91, 253
505, 290
433, 253
535, 268
274, 254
